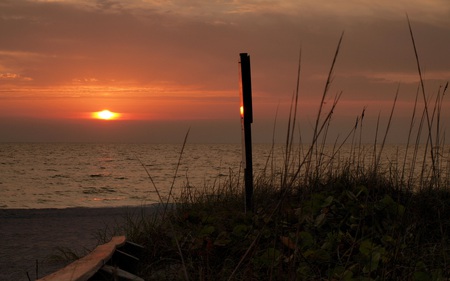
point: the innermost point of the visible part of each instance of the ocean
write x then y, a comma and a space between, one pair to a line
64, 175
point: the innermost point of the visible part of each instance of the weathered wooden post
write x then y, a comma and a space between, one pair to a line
246, 111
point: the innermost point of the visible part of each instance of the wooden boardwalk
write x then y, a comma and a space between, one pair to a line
118, 259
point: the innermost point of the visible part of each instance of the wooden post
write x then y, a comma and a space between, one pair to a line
246, 111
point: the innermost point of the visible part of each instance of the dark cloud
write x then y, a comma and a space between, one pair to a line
183, 42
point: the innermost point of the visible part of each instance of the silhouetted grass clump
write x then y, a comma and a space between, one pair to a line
320, 216
343, 230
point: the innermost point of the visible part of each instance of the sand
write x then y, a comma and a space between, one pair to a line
33, 236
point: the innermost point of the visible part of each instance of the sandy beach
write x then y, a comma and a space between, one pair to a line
33, 236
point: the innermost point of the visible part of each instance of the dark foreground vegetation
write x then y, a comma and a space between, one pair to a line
319, 216
344, 229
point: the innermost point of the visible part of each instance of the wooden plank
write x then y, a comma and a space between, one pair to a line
122, 274
85, 267
133, 249
125, 261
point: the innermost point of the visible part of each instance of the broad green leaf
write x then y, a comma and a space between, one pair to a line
222, 239
366, 247
269, 257
372, 263
240, 230
306, 239
207, 230
320, 219
327, 202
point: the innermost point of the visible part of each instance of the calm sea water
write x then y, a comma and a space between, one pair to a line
61, 175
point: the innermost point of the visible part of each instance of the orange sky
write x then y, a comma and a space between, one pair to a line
168, 66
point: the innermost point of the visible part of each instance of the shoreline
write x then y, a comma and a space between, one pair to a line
30, 237
27, 212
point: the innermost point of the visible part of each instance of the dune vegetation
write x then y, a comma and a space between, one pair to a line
319, 216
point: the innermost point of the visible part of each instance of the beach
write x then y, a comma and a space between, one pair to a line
30, 237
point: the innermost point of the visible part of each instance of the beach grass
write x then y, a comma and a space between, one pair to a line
319, 216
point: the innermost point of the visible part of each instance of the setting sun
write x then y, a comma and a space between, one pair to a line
105, 115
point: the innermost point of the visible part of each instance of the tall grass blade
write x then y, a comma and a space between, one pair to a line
291, 127
317, 131
375, 143
387, 130
411, 125
360, 142
151, 180
422, 85
176, 170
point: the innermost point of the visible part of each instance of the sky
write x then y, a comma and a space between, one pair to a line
169, 67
